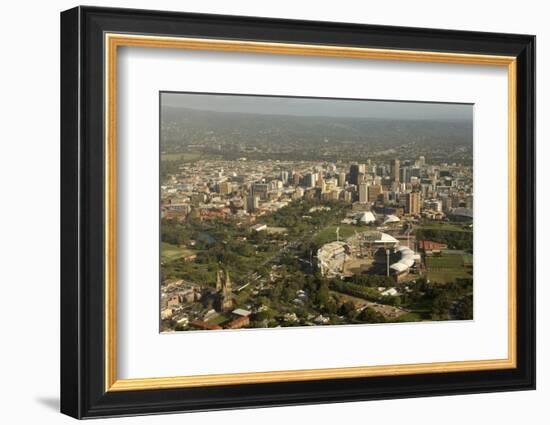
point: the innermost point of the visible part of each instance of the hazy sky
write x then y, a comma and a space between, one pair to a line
319, 107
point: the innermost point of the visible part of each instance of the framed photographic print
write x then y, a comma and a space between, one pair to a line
261, 212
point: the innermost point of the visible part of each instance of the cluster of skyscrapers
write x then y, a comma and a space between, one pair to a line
244, 188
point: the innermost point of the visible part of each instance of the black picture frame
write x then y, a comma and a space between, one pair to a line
83, 392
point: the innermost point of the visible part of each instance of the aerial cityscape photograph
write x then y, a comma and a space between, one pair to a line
283, 211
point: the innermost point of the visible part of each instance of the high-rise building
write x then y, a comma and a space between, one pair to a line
310, 179
260, 189
226, 188
412, 205
421, 161
394, 170
354, 174
284, 177
275, 184
342, 179
373, 193
415, 172
348, 196
321, 183
252, 203
296, 177
405, 176
363, 193
447, 202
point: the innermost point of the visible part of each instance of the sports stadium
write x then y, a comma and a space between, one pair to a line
372, 252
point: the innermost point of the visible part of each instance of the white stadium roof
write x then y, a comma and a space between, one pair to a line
399, 267
408, 258
385, 238
391, 219
409, 262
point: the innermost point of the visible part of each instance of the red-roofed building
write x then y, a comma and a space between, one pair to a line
431, 245
199, 324
239, 322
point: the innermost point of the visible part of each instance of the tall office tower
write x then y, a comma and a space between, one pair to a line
373, 192
296, 178
421, 161
284, 177
342, 179
405, 176
362, 168
381, 171
354, 174
260, 189
310, 180
447, 203
394, 170
412, 205
348, 196
226, 188
275, 184
321, 183
252, 203
363, 193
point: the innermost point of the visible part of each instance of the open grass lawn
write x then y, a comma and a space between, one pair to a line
169, 252
447, 268
446, 261
187, 156
328, 234
359, 302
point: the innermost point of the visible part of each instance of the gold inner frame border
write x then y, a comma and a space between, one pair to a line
113, 40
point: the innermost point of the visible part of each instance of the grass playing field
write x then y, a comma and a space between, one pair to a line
169, 252
447, 268
328, 234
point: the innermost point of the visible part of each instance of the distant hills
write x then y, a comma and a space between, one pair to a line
182, 126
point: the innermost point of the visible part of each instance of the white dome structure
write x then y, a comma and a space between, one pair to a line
366, 217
